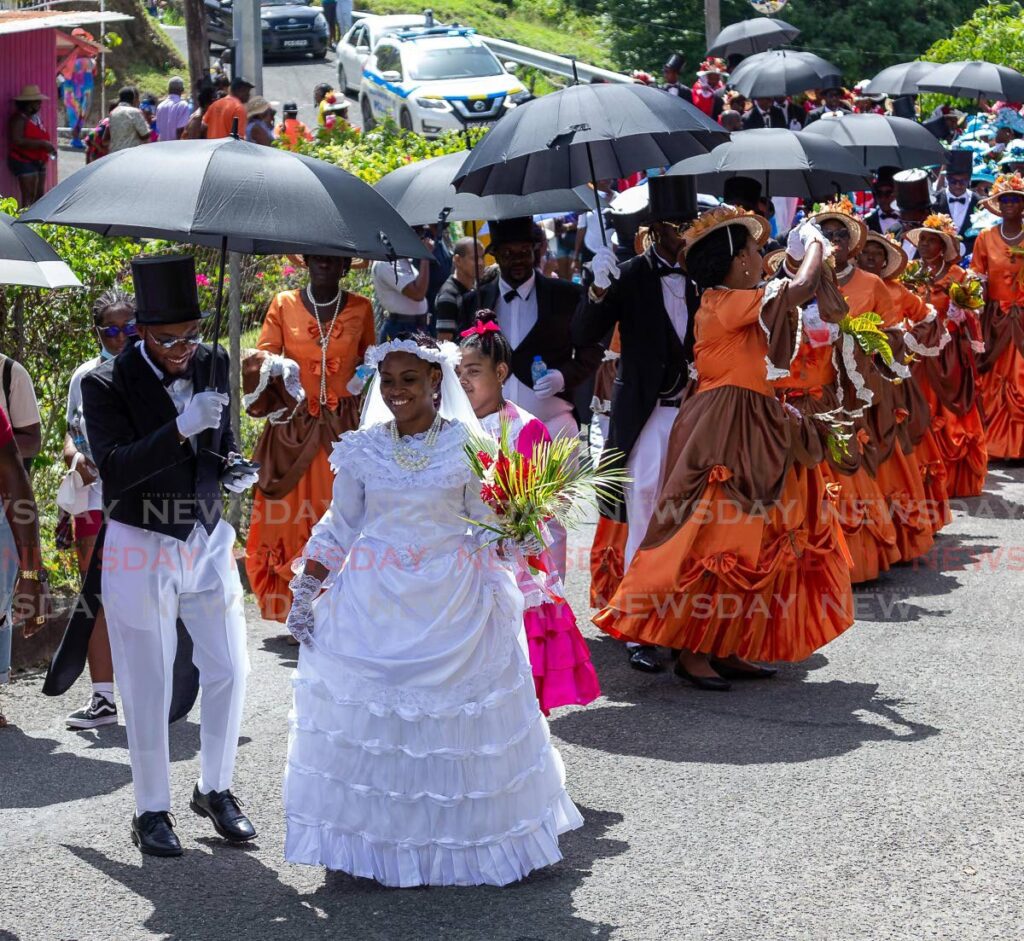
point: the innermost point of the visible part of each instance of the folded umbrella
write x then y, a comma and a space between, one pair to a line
975, 80
900, 79
27, 259
752, 36
785, 163
878, 140
781, 72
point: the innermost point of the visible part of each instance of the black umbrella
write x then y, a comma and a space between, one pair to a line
423, 193
750, 36
585, 133
899, 79
27, 259
975, 80
782, 72
878, 140
785, 163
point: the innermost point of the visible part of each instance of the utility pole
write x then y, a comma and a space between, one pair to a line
247, 32
712, 21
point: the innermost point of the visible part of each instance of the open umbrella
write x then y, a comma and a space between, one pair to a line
423, 193
975, 80
782, 72
750, 36
27, 259
585, 133
785, 163
900, 79
878, 140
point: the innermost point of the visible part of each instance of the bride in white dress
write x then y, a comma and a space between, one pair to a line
418, 754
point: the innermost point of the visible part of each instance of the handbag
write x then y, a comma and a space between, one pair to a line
73, 492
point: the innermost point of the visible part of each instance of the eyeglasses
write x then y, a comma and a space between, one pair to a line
129, 330
841, 235
507, 253
191, 340
1010, 198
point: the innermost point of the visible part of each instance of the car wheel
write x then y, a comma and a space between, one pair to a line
405, 120
368, 122
342, 80
322, 54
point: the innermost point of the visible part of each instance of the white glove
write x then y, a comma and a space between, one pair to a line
550, 384
795, 244
810, 232
240, 484
202, 413
304, 588
605, 268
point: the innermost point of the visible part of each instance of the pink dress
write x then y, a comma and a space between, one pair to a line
562, 672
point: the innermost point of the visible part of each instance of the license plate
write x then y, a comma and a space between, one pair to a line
295, 43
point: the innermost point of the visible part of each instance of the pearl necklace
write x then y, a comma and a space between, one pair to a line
407, 457
1009, 238
325, 338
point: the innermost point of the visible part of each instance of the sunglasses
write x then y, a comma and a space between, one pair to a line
842, 235
1010, 198
504, 253
191, 340
129, 330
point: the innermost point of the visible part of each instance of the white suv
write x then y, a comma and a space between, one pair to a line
355, 46
432, 80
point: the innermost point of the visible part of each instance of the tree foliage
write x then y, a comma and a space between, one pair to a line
995, 33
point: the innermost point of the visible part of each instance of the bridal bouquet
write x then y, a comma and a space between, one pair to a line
554, 483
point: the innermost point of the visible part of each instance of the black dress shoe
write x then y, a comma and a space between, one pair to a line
153, 833
224, 809
645, 659
715, 683
753, 672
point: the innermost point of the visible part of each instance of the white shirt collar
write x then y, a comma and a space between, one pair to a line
663, 261
524, 290
156, 369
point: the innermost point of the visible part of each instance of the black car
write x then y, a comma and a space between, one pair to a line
289, 28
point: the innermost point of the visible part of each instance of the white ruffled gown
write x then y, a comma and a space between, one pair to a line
417, 753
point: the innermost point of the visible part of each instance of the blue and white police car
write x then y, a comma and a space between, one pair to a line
432, 80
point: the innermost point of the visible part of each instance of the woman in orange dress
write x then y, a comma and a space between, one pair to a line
998, 259
950, 377
326, 330
744, 558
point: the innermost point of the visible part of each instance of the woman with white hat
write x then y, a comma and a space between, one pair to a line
29, 145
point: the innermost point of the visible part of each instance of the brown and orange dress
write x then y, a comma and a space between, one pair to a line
296, 481
744, 554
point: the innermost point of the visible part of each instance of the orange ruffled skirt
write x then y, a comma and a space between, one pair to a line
607, 560
1001, 390
900, 480
774, 586
867, 525
960, 444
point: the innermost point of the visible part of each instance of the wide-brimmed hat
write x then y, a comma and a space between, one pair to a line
31, 93
256, 105
720, 217
841, 210
895, 258
1009, 118
713, 66
1004, 183
938, 223
772, 261
166, 291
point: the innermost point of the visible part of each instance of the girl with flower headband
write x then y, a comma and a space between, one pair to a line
562, 672
998, 259
744, 559
417, 754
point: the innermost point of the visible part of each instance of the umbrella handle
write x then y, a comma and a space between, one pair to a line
212, 387
597, 195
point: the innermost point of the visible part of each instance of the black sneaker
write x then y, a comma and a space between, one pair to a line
100, 711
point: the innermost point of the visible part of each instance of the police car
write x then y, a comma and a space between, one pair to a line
438, 79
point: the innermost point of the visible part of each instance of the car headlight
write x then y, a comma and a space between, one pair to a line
519, 98
434, 104
265, 24
319, 23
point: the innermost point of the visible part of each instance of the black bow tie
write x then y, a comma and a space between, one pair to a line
663, 271
168, 380
882, 214
957, 199
509, 296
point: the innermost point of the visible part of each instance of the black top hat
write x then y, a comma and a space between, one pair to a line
959, 163
165, 289
511, 230
675, 62
673, 198
742, 191
912, 191
239, 82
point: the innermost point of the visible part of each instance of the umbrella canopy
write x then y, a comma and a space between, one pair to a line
751, 36
786, 163
27, 259
974, 80
878, 140
782, 72
229, 194
585, 133
423, 193
900, 79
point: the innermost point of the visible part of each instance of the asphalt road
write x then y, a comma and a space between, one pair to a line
873, 793
283, 80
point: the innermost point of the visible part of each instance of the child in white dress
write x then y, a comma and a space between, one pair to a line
417, 754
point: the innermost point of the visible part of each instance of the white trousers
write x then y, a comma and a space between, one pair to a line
566, 426
149, 581
646, 469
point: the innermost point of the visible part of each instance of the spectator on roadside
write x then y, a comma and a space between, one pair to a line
18, 400
330, 8
320, 93
172, 114
28, 145
400, 288
221, 85
221, 115
291, 129
467, 270
260, 126
128, 126
205, 96
97, 141
344, 17
148, 109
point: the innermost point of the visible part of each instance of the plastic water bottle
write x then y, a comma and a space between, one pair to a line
538, 369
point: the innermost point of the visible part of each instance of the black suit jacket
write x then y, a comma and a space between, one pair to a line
942, 205
150, 478
873, 222
551, 336
654, 362
685, 92
754, 119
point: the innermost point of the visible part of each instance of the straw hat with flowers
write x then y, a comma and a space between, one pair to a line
722, 216
895, 258
938, 223
1012, 183
842, 210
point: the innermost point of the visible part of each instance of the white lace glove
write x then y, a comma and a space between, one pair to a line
202, 413
605, 268
304, 588
550, 384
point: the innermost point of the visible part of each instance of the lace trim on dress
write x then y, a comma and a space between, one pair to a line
919, 349
271, 367
771, 291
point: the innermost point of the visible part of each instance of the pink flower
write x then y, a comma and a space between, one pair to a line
287, 270
202, 281
259, 274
